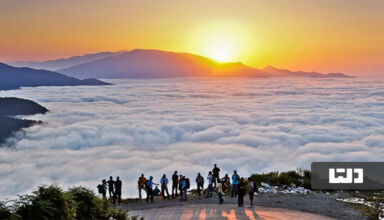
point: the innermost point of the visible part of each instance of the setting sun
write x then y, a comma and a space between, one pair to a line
222, 41
221, 48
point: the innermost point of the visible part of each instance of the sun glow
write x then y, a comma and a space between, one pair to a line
221, 48
223, 42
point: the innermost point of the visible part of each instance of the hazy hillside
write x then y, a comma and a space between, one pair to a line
65, 62
162, 64
15, 106
16, 77
275, 72
158, 64
11, 125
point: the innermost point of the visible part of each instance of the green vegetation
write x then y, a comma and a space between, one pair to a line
298, 178
52, 202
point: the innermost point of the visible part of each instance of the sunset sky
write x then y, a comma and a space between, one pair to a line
328, 35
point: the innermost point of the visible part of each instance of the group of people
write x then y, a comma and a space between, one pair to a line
181, 184
113, 187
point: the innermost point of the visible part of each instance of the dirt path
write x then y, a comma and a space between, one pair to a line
320, 205
228, 211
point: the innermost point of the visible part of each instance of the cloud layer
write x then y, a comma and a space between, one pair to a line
157, 126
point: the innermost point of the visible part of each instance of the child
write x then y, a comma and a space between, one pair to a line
220, 191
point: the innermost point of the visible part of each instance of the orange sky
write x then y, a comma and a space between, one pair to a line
328, 35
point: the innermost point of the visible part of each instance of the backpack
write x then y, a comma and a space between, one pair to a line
100, 188
147, 185
188, 183
200, 180
237, 177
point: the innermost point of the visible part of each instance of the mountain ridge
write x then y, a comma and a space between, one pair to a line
55, 64
16, 77
142, 63
151, 63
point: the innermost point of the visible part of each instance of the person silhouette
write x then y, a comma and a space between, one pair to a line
141, 185
200, 184
210, 184
184, 187
164, 186
111, 190
180, 185
118, 186
149, 185
220, 191
252, 189
104, 188
175, 184
215, 172
235, 183
241, 192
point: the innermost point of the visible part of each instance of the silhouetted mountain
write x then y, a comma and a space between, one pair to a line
65, 62
11, 125
275, 72
161, 64
16, 77
15, 106
158, 64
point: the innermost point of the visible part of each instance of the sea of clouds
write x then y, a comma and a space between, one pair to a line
158, 126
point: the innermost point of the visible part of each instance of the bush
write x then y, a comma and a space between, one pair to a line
46, 203
87, 204
51, 202
307, 179
270, 178
287, 178
5, 212
299, 178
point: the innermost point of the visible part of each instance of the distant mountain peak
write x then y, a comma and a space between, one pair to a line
61, 63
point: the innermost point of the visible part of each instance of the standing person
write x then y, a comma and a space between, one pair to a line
141, 185
200, 183
241, 192
235, 183
118, 185
210, 183
180, 185
215, 172
184, 187
104, 188
252, 187
111, 187
164, 186
175, 184
100, 188
149, 186
220, 191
